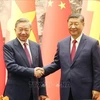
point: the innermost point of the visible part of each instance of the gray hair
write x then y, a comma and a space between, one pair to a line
22, 20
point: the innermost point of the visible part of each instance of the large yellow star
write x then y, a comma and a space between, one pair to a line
62, 5
15, 15
50, 3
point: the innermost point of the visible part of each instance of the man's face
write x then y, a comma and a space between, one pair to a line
75, 27
23, 31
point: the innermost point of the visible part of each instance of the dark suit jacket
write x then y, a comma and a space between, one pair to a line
21, 78
83, 74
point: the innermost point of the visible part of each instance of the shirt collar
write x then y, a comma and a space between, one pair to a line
27, 41
78, 39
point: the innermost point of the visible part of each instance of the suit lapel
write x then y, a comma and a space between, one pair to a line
21, 51
67, 49
80, 47
33, 53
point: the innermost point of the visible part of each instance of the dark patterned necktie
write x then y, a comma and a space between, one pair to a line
27, 53
73, 51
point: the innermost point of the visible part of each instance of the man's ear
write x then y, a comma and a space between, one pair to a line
83, 23
15, 29
30, 29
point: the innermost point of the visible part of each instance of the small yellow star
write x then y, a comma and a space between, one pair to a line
50, 3
62, 5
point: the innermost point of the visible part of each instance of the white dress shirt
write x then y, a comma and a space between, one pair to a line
27, 42
77, 43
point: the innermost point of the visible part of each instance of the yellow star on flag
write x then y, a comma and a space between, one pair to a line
15, 15
62, 5
50, 3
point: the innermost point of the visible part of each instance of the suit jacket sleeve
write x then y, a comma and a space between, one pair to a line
11, 64
54, 66
96, 66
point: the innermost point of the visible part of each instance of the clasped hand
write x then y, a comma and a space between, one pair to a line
38, 72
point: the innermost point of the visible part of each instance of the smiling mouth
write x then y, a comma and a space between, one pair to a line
73, 31
23, 36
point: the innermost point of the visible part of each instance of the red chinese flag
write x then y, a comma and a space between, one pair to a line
55, 29
2, 65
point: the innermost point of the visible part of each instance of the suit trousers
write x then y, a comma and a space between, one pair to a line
70, 95
31, 95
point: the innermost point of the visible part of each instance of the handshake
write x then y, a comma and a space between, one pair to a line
38, 72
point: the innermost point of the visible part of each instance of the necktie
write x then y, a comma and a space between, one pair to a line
27, 53
73, 50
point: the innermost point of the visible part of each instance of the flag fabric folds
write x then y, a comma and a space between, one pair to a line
2, 64
55, 29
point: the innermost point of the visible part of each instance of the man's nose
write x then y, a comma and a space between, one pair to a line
73, 26
23, 32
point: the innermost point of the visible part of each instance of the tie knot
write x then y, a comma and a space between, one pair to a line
25, 44
74, 41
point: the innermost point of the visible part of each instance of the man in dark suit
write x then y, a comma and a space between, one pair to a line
22, 83
79, 63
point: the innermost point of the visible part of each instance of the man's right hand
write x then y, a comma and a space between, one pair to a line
38, 72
